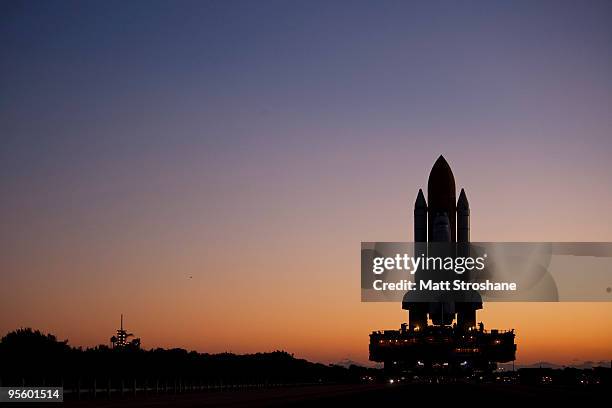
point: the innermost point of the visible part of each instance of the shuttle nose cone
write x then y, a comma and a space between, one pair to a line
441, 194
441, 181
441, 171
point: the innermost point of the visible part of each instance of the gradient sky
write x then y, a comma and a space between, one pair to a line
253, 145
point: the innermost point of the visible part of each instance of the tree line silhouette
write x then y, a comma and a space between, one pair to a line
30, 357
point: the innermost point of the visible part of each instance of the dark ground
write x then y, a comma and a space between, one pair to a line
377, 395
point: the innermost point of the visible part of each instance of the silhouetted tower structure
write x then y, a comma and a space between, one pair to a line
121, 339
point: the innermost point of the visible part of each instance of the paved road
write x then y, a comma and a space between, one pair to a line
377, 395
